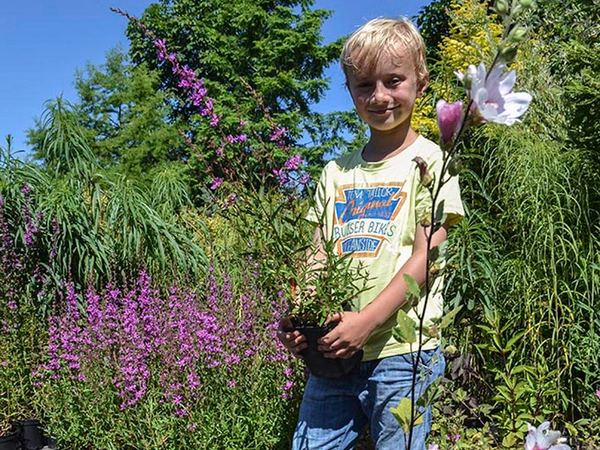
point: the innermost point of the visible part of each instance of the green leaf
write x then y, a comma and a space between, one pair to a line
405, 332
427, 398
402, 413
439, 212
509, 440
438, 253
413, 290
514, 339
449, 317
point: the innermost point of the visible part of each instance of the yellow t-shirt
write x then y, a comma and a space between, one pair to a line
371, 210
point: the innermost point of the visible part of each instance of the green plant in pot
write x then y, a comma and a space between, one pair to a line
324, 283
295, 261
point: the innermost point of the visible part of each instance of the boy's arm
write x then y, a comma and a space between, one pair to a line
355, 327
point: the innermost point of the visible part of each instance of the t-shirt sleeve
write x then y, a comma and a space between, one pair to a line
449, 193
315, 213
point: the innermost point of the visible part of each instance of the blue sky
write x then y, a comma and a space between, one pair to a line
44, 42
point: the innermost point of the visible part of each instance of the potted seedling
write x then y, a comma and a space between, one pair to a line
324, 284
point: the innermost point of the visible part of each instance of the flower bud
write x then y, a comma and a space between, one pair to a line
425, 219
451, 349
426, 178
433, 331
501, 7
517, 34
449, 119
526, 3
508, 54
455, 167
434, 269
470, 76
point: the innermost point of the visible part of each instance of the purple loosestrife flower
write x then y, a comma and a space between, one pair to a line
161, 49
293, 162
241, 138
277, 134
216, 182
449, 119
288, 174
304, 178
188, 80
31, 227
492, 94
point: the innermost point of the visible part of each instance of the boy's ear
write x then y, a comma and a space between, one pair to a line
423, 85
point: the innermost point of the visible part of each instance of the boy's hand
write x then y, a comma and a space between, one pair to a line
347, 338
291, 339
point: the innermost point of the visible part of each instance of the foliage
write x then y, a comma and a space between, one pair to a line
100, 223
279, 236
524, 262
468, 34
526, 253
267, 200
434, 25
122, 116
23, 285
274, 47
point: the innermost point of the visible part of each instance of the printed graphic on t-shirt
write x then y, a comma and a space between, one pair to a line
364, 217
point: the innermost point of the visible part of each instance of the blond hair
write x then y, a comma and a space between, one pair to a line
365, 46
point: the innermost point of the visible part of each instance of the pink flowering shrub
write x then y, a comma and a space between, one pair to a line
23, 285
178, 365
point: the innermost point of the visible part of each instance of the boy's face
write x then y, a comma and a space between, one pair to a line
385, 97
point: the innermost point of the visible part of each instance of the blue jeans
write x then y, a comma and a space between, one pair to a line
334, 412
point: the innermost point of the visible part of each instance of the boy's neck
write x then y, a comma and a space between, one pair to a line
386, 145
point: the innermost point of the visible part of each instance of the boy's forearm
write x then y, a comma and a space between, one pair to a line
393, 296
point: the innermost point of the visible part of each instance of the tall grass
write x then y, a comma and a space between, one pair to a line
528, 258
104, 226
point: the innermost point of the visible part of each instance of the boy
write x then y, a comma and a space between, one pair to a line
374, 203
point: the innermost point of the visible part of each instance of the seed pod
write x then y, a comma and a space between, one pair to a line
451, 349
425, 219
433, 331
426, 179
434, 269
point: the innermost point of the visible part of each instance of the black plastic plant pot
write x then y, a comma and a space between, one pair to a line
31, 434
10, 441
316, 362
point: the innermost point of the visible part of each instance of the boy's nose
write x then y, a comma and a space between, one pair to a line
380, 92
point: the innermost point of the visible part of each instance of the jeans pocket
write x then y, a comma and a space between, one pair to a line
432, 364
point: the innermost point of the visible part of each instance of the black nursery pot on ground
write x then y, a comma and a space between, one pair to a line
10, 440
31, 434
316, 362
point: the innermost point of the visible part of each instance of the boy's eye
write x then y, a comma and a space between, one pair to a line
364, 85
